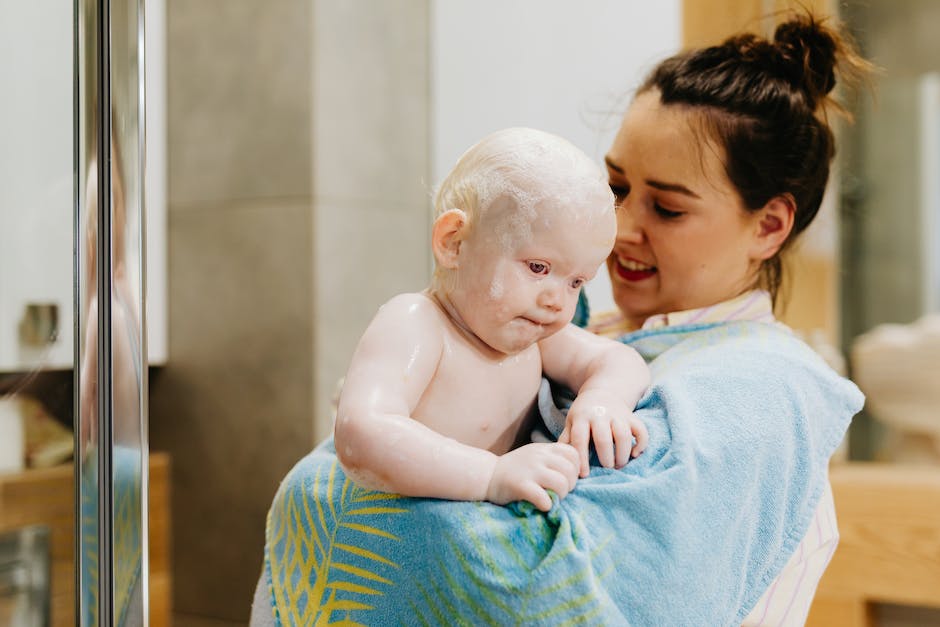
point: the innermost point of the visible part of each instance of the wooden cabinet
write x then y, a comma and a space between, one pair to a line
889, 546
47, 497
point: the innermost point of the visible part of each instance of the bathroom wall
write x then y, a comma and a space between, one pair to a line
233, 405
280, 251
893, 269
370, 172
563, 67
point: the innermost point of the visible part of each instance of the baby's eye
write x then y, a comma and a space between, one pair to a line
538, 267
575, 284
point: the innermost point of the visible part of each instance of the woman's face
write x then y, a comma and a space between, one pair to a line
684, 239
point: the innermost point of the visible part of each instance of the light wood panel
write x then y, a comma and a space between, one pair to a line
810, 298
707, 22
47, 497
889, 551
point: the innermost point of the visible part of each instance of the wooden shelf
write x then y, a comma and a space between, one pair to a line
47, 497
889, 547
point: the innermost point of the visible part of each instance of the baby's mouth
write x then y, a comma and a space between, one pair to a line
532, 321
633, 270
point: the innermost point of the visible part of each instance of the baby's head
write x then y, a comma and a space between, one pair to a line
522, 213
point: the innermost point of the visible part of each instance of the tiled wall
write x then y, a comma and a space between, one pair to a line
298, 160
233, 404
370, 171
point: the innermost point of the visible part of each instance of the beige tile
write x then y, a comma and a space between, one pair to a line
234, 404
370, 102
239, 81
363, 257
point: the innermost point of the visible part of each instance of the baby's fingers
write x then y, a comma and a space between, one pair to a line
580, 440
623, 440
641, 434
602, 433
567, 462
555, 481
532, 492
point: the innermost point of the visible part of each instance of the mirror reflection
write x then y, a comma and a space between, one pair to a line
292, 153
110, 376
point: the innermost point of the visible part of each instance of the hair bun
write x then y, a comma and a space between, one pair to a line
809, 50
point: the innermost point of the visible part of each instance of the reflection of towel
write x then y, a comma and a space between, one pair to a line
742, 419
126, 529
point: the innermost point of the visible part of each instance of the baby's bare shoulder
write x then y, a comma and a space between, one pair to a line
412, 308
407, 318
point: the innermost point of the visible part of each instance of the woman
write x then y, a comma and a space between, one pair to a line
721, 161
727, 518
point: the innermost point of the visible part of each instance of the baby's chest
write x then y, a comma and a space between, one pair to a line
480, 396
512, 380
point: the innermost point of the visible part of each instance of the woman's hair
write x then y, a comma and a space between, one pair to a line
765, 103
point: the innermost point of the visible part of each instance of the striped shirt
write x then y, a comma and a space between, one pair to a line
787, 600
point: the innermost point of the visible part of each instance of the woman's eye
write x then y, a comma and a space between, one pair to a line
620, 191
666, 213
577, 283
538, 267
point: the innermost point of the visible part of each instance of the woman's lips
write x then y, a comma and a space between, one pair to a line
633, 270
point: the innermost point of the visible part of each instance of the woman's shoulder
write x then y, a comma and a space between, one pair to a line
740, 351
754, 358
610, 324
737, 344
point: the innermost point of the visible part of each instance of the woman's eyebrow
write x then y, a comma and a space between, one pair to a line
672, 187
660, 185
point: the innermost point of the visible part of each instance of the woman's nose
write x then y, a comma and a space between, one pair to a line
629, 223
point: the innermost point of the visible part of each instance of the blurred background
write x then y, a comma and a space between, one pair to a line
293, 148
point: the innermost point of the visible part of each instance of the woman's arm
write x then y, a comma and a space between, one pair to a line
609, 379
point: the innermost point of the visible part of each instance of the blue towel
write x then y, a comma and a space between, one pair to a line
742, 419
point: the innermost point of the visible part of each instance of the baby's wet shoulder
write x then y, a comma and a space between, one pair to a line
412, 304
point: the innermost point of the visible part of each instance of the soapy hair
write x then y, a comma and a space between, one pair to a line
766, 103
521, 166
524, 164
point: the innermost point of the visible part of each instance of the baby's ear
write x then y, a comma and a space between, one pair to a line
448, 231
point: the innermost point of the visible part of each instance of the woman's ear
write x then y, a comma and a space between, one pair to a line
773, 226
446, 235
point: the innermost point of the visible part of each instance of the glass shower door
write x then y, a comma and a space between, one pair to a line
110, 373
73, 425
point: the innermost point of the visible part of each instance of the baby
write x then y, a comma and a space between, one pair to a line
443, 384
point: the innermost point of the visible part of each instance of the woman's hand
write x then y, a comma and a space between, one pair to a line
618, 435
527, 472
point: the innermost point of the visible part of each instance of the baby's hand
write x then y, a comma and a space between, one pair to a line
606, 418
527, 472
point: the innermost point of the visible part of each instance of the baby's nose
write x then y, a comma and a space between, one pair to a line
551, 297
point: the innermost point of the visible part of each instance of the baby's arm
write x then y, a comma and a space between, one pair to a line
382, 447
609, 379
